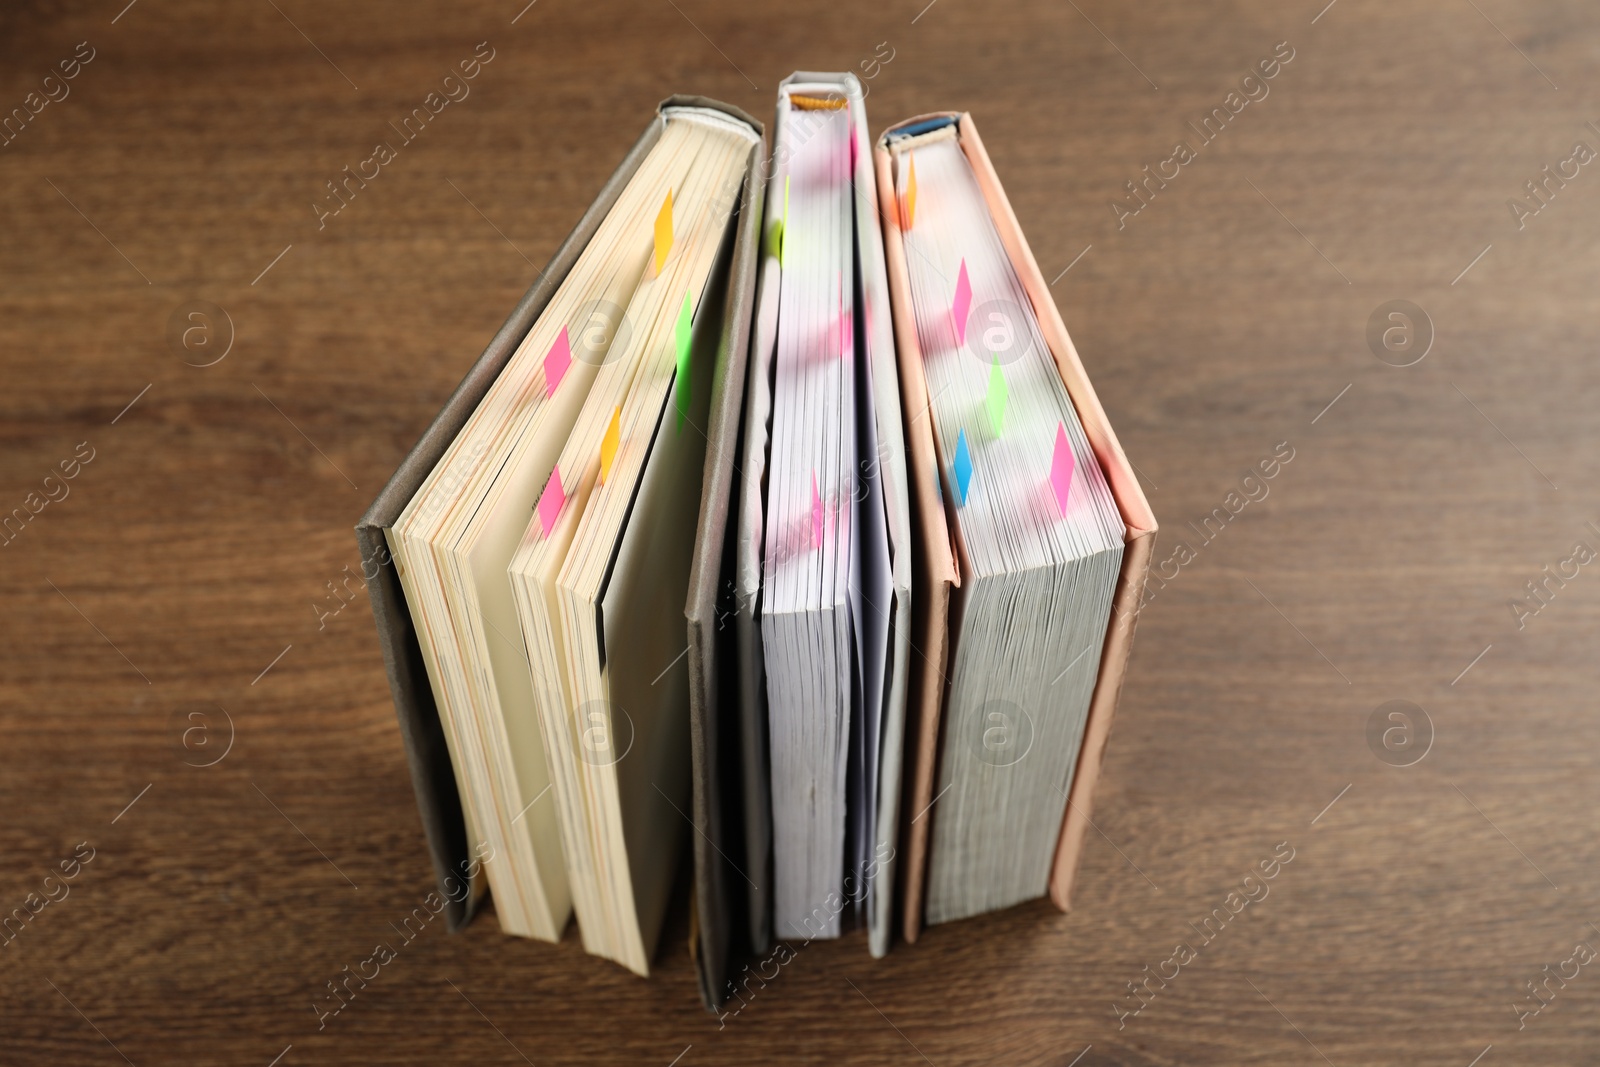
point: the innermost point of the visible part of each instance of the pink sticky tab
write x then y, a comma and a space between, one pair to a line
962, 304
551, 502
557, 362
816, 513
1061, 468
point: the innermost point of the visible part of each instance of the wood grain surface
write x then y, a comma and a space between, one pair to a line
179, 590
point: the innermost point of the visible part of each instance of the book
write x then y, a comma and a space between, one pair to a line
624, 309
601, 576
1034, 534
823, 567
458, 872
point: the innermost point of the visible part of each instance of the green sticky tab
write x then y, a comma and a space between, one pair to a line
683, 333
996, 402
783, 233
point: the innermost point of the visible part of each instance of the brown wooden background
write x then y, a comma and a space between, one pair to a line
1223, 319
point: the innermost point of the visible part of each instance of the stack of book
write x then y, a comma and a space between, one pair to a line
781, 522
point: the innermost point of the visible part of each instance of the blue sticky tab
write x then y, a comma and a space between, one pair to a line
963, 465
925, 126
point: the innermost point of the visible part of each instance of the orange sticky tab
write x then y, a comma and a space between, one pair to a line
911, 190
664, 232
818, 103
608, 444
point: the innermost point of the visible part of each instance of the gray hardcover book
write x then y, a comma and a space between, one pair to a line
459, 878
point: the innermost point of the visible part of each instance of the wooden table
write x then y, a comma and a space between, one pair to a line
184, 578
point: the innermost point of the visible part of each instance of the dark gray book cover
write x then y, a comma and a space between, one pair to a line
719, 769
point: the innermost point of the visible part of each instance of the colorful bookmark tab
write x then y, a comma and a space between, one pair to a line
684, 334
911, 190
551, 501
556, 362
816, 513
963, 466
819, 103
996, 402
609, 443
1061, 468
664, 233
783, 239
962, 304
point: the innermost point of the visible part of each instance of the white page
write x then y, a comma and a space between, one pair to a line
1037, 581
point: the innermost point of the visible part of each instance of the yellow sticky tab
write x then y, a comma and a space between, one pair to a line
911, 191
609, 443
664, 233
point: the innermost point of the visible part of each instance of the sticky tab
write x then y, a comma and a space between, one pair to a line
783, 243
551, 502
556, 362
818, 103
962, 304
684, 334
911, 189
1061, 468
663, 233
816, 513
963, 466
996, 402
609, 443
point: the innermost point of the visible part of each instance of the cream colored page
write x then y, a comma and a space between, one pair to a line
649, 405
647, 315
546, 647
430, 659
501, 526
438, 514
